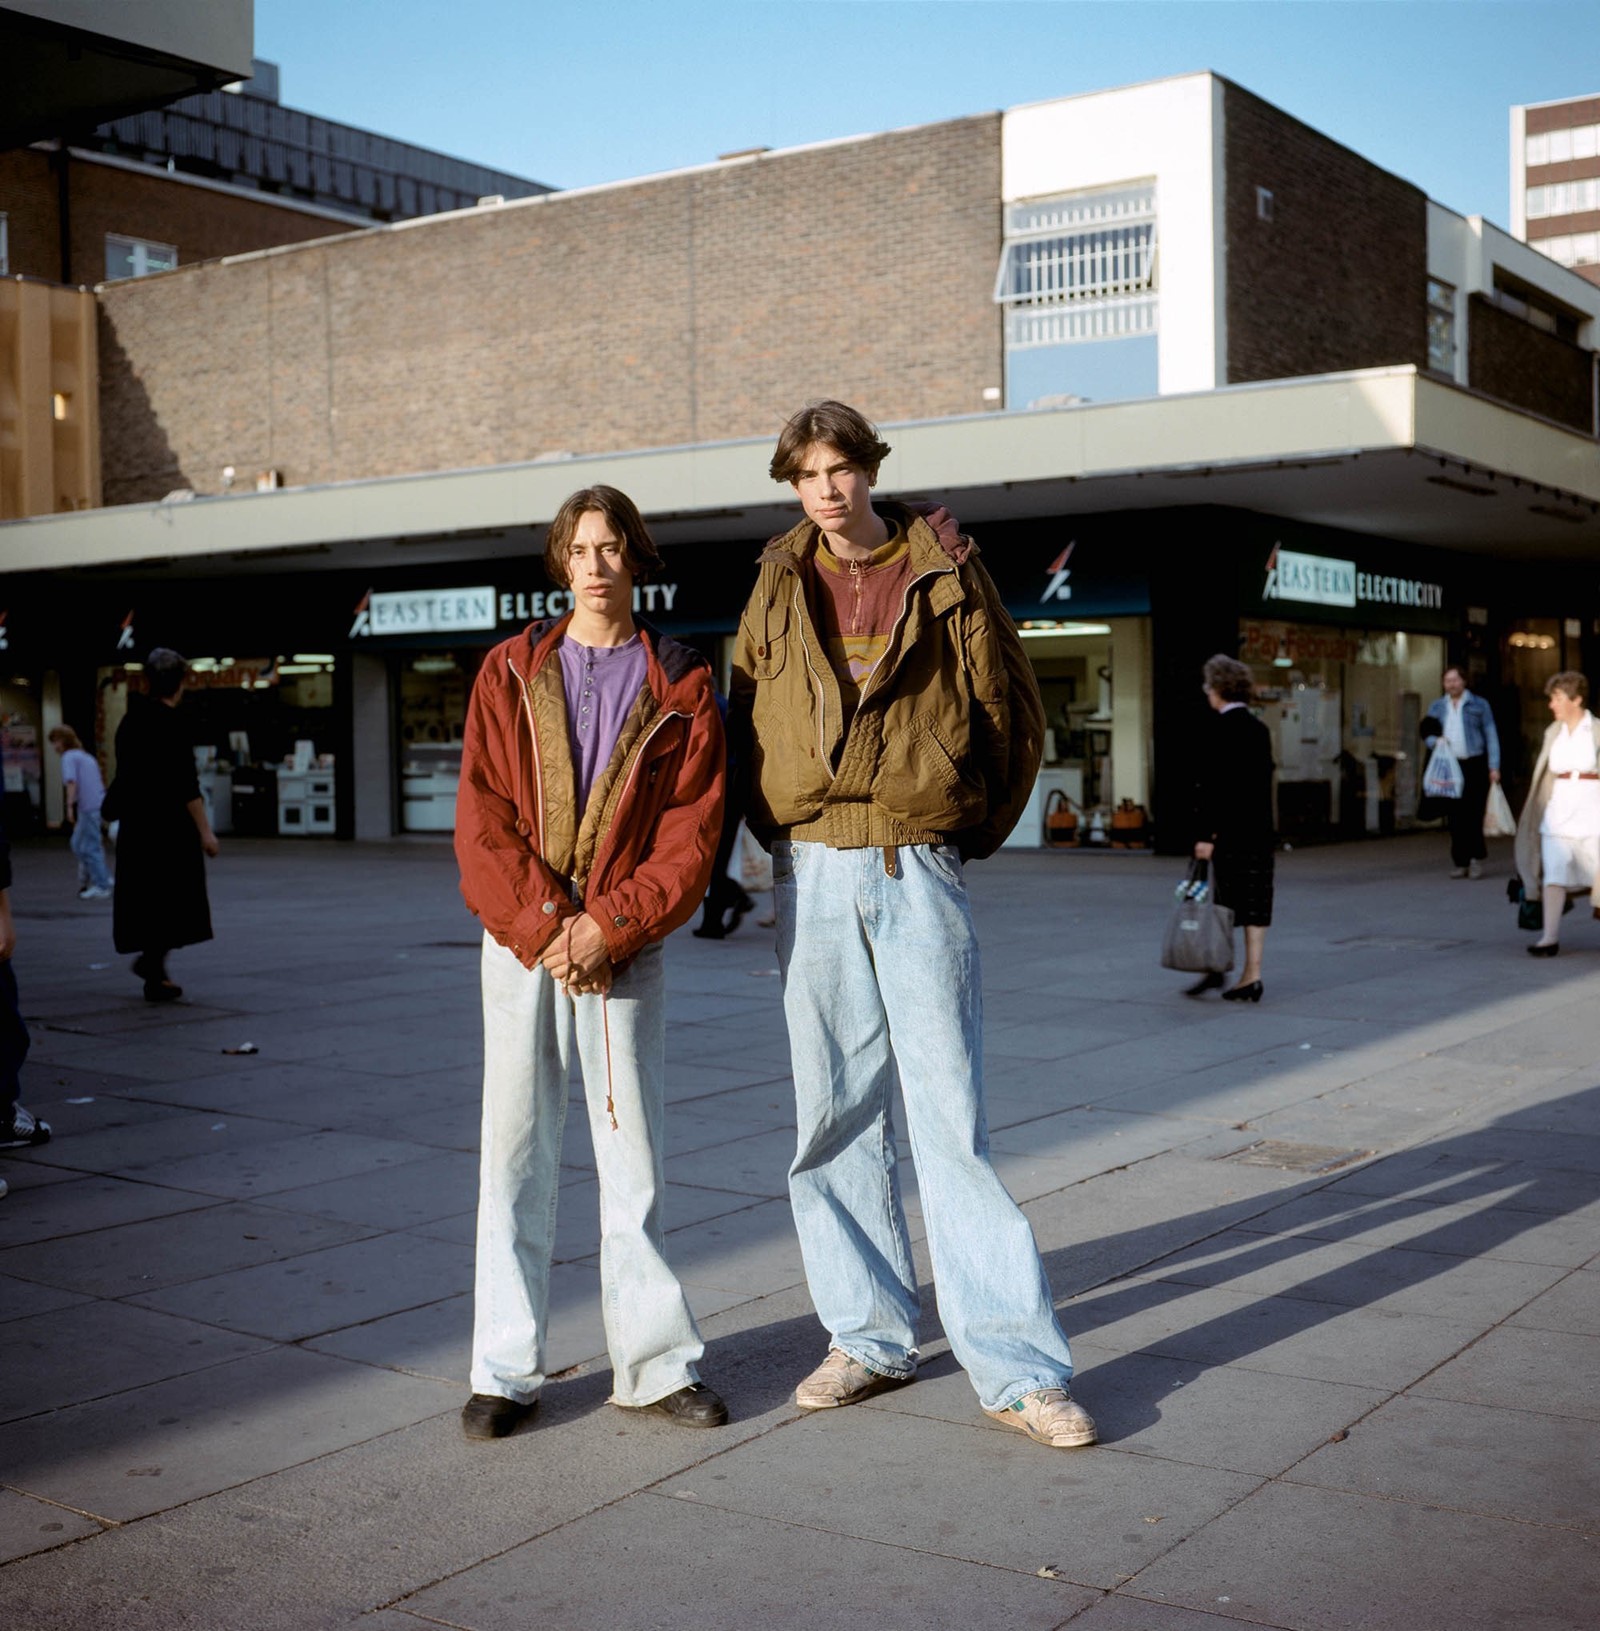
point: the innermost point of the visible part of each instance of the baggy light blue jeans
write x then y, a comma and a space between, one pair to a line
881, 976
89, 847
529, 1030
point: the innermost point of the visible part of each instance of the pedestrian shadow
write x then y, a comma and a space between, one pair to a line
1519, 1173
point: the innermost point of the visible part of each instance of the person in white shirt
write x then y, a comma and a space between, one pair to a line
1558, 834
1469, 729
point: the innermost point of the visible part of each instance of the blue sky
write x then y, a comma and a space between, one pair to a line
572, 92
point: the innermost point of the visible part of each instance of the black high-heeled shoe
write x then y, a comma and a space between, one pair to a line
1551, 950
1206, 982
1244, 993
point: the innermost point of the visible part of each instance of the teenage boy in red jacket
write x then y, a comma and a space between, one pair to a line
589, 808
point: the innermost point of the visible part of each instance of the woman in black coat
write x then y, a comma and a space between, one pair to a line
1234, 809
163, 836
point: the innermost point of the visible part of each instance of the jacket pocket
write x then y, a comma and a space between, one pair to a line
922, 781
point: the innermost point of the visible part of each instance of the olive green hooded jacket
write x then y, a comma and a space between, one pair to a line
944, 746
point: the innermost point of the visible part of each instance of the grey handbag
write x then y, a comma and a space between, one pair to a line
1199, 937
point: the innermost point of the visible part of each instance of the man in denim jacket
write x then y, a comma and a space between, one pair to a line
1468, 724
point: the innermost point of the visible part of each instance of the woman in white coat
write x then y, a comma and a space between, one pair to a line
1558, 834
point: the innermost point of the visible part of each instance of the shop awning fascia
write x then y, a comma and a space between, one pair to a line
1220, 446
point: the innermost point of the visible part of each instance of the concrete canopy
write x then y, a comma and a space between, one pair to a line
1388, 452
72, 64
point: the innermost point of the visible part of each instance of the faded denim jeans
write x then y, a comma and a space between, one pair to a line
881, 978
89, 848
530, 1028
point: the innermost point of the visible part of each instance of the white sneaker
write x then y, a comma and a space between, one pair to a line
1050, 1416
94, 892
841, 1380
1475, 869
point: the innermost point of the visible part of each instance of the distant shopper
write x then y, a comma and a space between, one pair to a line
19, 1129
589, 810
86, 792
164, 836
1468, 727
1558, 833
1235, 823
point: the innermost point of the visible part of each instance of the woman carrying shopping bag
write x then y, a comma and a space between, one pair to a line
1234, 808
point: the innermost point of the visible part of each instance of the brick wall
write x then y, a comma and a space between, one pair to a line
679, 309
1510, 359
28, 198
1337, 279
200, 222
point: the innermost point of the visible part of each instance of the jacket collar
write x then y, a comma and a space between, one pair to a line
793, 548
669, 662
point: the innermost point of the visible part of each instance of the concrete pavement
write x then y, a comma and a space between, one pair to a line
1331, 1268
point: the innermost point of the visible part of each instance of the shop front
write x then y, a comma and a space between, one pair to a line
1081, 603
1346, 652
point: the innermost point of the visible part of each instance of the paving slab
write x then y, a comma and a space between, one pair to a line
155, 1447
290, 1162
764, 1572
435, 1185
1380, 1348
1543, 1469
1571, 1305
28, 1525
1122, 1611
752, 1164
1409, 1281
49, 1202
1365, 1564
160, 1133
21, 1298
135, 1257
753, 1251
323, 1290
1097, 1516
93, 1349
1549, 1371
1481, 1229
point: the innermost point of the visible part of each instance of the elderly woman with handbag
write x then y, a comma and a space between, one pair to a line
1558, 835
1234, 818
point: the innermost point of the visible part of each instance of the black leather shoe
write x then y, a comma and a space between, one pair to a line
692, 1406
487, 1415
1244, 993
1206, 982
1545, 951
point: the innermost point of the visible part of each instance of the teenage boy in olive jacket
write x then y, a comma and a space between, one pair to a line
892, 728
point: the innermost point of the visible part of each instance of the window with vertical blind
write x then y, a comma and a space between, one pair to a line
1080, 266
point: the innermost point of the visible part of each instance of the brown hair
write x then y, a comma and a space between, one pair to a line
1229, 678
1570, 681
838, 425
66, 736
638, 548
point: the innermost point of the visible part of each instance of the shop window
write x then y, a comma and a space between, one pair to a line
1344, 706
136, 257
433, 692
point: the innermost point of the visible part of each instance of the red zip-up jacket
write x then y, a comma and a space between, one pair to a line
644, 854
